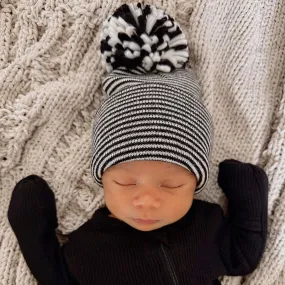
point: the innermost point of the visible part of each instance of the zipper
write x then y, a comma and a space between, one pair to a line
170, 266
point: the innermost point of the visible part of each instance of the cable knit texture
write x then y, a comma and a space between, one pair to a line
50, 75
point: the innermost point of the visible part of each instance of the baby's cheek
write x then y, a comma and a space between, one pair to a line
178, 211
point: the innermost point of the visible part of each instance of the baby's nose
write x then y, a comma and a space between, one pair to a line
147, 200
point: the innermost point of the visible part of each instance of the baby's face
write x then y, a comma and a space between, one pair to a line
149, 190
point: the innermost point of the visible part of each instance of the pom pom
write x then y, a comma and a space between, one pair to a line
142, 38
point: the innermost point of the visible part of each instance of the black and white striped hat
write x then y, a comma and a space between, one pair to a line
153, 109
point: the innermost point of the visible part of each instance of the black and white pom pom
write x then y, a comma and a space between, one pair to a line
142, 37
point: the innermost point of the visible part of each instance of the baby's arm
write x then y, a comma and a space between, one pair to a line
243, 237
32, 216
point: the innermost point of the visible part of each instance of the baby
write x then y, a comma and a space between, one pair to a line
152, 140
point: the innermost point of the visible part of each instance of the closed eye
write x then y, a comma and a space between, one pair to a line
135, 184
124, 184
172, 187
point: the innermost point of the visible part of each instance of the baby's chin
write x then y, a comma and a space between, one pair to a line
147, 227
144, 227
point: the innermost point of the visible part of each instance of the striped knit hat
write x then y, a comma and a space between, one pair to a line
153, 109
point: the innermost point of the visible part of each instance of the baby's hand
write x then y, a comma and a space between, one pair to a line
32, 205
237, 178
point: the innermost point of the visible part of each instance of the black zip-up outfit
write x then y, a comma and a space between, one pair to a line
196, 250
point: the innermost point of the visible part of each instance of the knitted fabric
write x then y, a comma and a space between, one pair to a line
153, 110
50, 76
152, 117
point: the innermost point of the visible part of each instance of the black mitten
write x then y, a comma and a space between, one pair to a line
32, 215
245, 185
243, 239
245, 177
32, 207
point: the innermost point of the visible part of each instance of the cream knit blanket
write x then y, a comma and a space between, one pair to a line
50, 75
